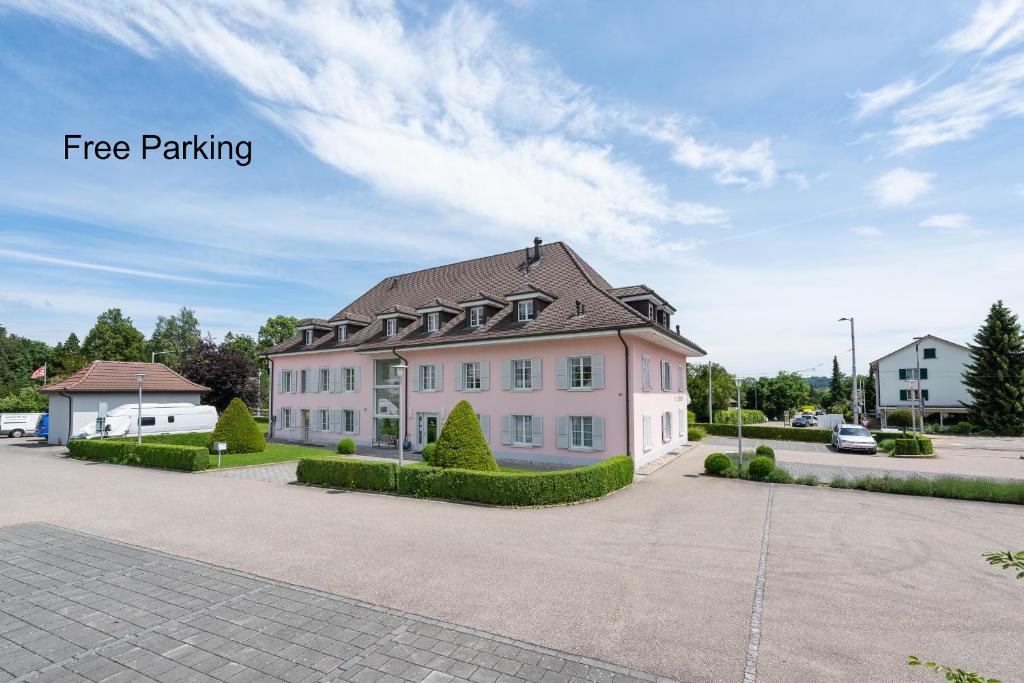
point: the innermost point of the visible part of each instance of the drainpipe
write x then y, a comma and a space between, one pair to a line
270, 400
629, 400
405, 391
70, 415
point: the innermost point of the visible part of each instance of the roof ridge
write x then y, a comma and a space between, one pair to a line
576, 262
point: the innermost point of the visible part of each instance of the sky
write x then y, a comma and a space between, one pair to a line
767, 167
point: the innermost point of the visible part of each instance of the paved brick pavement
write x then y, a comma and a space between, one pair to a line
75, 607
278, 472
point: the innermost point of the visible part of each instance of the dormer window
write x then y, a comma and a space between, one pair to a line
650, 311
309, 337
391, 327
342, 332
476, 316
525, 310
433, 322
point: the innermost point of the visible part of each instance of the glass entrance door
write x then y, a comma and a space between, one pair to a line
427, 428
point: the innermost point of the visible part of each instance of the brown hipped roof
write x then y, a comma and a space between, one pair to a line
560, 273
115, 376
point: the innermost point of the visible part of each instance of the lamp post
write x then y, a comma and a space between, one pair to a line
400, 369
711, 418
853, 390
259, 388
739, 416
154, 354
138, 417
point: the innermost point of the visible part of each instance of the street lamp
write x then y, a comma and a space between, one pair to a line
853, 391
138, 417
400, 369
154, 354
739, 416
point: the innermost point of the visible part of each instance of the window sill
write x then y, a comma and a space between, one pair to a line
580, 449
580, 389
523, 445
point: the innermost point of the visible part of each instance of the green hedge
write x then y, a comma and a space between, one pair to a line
985, 490
261, 419
182, 439
749, 416
926, 446
807, 434
906, 447
496, 488
695, 434
122, 452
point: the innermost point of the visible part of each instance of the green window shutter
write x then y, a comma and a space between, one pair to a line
924, 373
929, 353
903, 373
903, 393
924, 394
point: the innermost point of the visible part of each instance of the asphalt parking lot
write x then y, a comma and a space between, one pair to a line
682, 576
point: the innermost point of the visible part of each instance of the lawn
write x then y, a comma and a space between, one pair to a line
275, 452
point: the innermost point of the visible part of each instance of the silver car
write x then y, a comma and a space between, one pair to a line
848, 437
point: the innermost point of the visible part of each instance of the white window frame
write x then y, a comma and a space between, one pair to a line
650, 310
476, 316
525, 310
348, 421
287, 381
342, 333
428, 372
581, 361
348, 380
666, 426
325, 420
525, 365
648, 436
308, 337
645, 372
580, 427
522, 425
325, 379
304, 381
471, 368
391, 327
433, 322
286, 418
666, 376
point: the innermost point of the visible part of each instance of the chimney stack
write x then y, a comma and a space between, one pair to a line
536, 248
677, 329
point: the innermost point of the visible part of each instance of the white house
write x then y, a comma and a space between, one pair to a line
941, 387
83, 400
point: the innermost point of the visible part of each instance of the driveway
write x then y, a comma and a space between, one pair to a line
688, 577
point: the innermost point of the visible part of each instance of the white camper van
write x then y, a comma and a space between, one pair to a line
157, 418
18, 424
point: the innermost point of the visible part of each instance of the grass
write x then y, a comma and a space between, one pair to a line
274, 452
984, 490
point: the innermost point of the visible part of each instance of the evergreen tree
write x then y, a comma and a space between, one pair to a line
461, 442
835, 385
995, 374
113, 337
67, 357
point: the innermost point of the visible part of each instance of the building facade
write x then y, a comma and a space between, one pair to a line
939, 390
559, 366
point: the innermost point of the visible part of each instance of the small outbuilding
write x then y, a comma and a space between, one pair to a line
84, 399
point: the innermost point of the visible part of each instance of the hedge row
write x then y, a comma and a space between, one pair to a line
763, 432
985, 490
496, 488
749, 416
122, 452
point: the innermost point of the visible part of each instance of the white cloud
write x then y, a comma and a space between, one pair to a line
994, 26
952, 222
874, 101
866, 231
454, 116
8, 254
901, 186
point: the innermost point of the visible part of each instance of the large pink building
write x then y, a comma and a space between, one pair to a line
560, 366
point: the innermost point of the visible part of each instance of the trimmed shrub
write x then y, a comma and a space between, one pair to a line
925, 445
807, 480
780, 476
804, 434
750, 417
117, 451
124, 452
695, 434
906, 447
346, 446
517, 488
349, 473
461, 443
181, 439
717, 464
237, 428
765, 451
760, 467
428, 452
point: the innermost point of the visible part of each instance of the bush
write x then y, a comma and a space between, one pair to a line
717, 463
901, 419
807, 480
117, 451
750, 417
461, 443
346, 446
780, 476
961, 428
237, 428
428, 452
695, 434
906, 447
691, 417
517, 488
840, 483
349, 473
125, 452
765, 451
985, 490
925, 445
804, 434
760, 467
261, 419
181, 439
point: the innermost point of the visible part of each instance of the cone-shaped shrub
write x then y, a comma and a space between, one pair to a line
238, 429
462, 443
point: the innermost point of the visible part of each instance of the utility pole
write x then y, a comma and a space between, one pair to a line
739, 416
920, 391
853, 384
711, 419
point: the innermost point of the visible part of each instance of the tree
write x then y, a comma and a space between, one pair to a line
900, 418
67, 357
19, 357
276, 330
994, 376
229, 374
237, 428
113, 337
723, 388
835, 384
175, 337
787, 391
461, 442
27, 400
242, 343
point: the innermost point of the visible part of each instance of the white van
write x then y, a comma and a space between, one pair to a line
157, 418
17, 425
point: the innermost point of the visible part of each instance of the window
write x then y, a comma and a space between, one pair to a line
650, 311
286, 418
522, 374
303, 381
428, 378
666, 426
170, 418
391, 327
288, 381
325, 379
525, 310
645, 372
581, 432
471, 375
342, 332
325, 420
666, 376
911, 373
433, 322
581, 372
648, 440
348, 421
476, 316
308, 337
929, 354
912, 394
522, 430
148, 421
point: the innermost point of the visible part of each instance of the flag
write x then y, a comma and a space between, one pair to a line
40, 373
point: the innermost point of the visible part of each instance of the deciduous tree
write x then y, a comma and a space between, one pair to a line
174, 337
229, 374
113, 337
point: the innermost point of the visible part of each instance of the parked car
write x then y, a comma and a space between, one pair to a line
17, 425
800, 421
850, 437
43, 426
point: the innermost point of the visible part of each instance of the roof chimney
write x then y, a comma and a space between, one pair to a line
677, 329
536, 248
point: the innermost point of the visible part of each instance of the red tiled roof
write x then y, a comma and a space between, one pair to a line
115, 376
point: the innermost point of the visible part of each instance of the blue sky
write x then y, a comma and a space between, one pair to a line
768, 167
